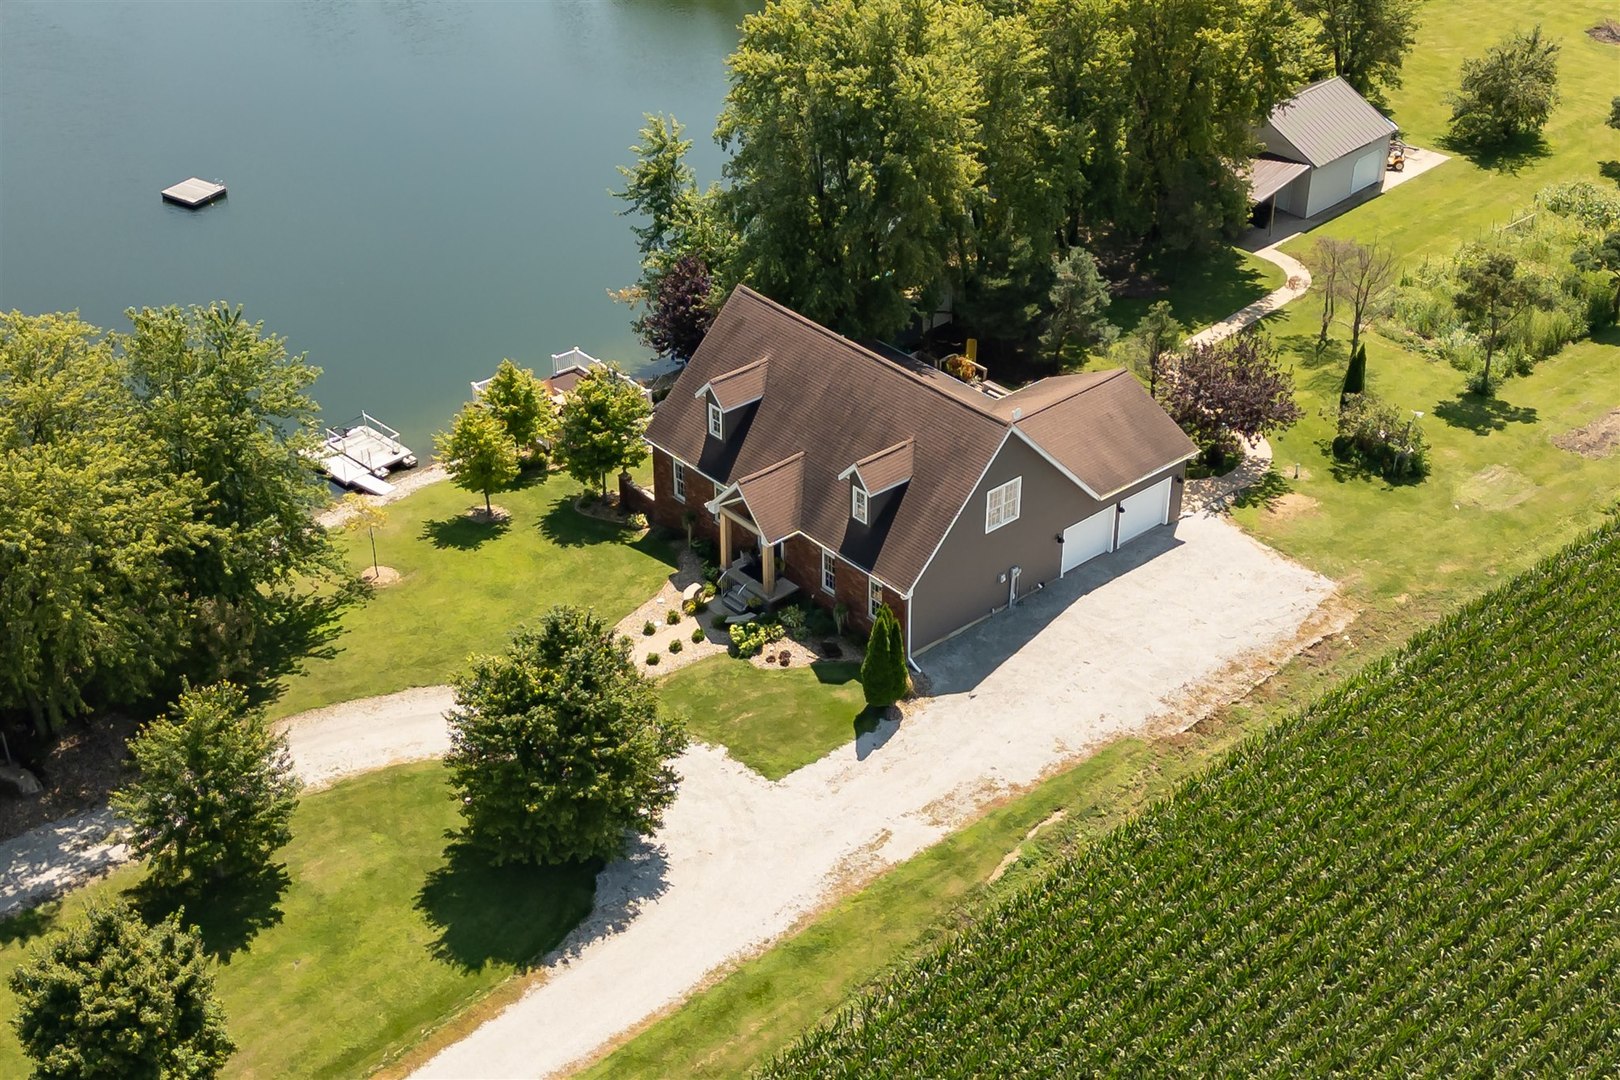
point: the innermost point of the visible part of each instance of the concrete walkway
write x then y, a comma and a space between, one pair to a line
1297, 283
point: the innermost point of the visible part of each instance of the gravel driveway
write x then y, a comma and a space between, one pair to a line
1199, 618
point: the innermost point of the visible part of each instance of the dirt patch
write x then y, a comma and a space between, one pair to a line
77, 772
1290, 506
496, 514
607, 509
1607, 31
1596, 440
1495, 487
379, 577
1013, 856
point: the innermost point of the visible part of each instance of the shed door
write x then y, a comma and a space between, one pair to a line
1089, 538
1369, 167
1142, 511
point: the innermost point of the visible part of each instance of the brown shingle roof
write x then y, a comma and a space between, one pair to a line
825, 403
774, 496
1102, 427
889, 467
738, 387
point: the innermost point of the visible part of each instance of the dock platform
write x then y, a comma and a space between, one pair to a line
362, 452
193, 193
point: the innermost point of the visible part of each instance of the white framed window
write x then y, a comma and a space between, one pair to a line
874, 597
717, 420
829, 571
859, 506
1001, 506
680, 481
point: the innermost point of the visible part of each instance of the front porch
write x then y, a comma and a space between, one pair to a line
751, 573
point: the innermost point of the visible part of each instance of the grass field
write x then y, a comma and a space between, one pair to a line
466, 586
1418, 874
380, 932
771, 721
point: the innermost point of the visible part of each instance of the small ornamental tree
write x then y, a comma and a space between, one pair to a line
112, 999
601, 427
1155, 337
519, 400
1230, 389
557, 746
478, 453
1507, 94
679, 309
884, 678
363, 514
1491, 297
214, 790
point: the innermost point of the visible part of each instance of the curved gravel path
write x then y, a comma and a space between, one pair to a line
1298, 283
326, 746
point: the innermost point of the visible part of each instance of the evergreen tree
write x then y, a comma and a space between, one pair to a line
1078, 299
557, 746
884, 678
112, 999
478, 453
213, 793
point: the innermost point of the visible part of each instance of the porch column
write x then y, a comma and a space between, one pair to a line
725, 540
768, 561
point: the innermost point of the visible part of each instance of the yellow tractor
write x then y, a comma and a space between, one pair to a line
1397, 156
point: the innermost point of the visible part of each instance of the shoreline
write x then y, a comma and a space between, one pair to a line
338, 514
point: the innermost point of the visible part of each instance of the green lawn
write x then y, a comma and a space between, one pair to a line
1203, 290
466, 586
381, 933
771, 721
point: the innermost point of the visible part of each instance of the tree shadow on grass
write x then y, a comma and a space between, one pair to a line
289, 630
1202, 289
227, 915
1609, 170
1265, 491
1483, 415
1334, 356
1509, 156
510, 915
463, 532
26, 926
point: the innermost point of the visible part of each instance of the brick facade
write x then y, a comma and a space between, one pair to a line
801, 556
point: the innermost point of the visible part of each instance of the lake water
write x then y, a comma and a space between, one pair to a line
416, 190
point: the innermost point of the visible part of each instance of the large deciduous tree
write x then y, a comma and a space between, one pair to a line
213, 793
852, 125
1234, 388
112, 999
519, 400
601, 426
680, 308
557, 746
1507, 94
1366, 39
1492, 295
478, 453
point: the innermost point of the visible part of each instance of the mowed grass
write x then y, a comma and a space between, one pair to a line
772, 721
382, 931
466, 585
1418, 874
1203, 290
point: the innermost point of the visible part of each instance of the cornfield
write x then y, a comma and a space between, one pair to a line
1417, 875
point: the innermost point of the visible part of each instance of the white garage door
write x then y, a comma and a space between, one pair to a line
1144, 510
1089, 538
1369, 167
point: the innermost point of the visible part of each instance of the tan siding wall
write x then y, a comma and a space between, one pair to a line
961, 584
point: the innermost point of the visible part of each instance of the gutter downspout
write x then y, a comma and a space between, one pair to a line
1012, 585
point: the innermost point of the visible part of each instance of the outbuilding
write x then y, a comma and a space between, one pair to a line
1323, 145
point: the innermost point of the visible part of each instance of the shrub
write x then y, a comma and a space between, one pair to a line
794, 620
750, 639
819, 623
695, 606
652, 659
672, 616
705, 550
636, 521
698, 636
676, 646
1378, 437
1596, 208
708, 592
648, 628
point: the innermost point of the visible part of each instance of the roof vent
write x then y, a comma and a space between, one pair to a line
1018, 414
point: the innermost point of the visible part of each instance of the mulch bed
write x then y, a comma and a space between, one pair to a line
78, 772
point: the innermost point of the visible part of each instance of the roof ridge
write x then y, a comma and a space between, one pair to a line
772, 467
750, 366
1105, 377
885, 364
908, 440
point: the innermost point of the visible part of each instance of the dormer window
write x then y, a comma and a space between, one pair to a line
717, 420
858, 504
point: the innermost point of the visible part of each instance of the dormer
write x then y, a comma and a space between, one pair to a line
725, 396
876, 478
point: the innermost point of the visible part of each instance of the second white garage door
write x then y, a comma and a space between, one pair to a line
1145, 509
1089, 538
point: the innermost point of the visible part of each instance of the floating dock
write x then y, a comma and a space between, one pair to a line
193, 193
362, 452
